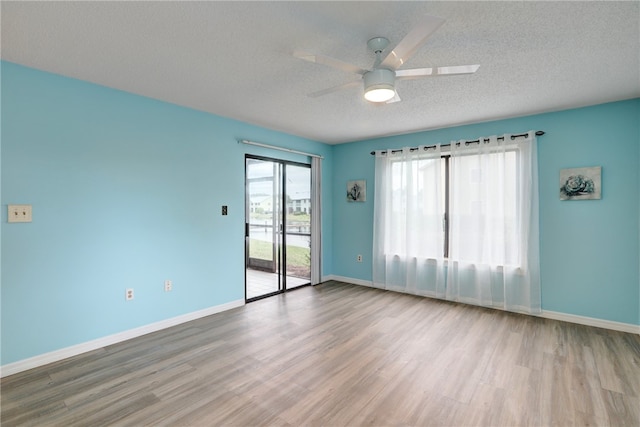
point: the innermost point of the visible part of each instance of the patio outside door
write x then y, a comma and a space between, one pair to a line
277, 226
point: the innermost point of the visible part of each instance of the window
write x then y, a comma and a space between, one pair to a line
464, 201
459, 223
417, 192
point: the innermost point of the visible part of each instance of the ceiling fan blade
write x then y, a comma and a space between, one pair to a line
417, 73
334, 89
396, 98
411, 42
331, 62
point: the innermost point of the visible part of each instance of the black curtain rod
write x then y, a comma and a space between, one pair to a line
477, 141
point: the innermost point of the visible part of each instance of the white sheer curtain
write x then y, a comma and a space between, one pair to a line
493, 255
408, 238
316, 220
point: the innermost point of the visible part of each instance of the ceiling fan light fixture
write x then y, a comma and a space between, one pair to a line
380, 94
379, 85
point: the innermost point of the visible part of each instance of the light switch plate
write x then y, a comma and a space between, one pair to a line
19, 213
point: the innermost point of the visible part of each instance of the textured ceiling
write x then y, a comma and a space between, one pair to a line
234, 59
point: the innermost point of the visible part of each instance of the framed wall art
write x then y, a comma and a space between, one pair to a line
581, 183
357, 191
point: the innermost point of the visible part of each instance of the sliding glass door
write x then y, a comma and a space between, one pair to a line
277, 226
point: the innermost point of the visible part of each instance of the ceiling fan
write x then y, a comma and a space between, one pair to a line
379, 81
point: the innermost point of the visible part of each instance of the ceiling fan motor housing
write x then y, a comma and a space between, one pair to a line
379, 76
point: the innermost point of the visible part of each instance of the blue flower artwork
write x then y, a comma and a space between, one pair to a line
581, 183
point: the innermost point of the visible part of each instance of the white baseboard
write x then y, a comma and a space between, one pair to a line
360, 282
571, 318
54, 356
591, 321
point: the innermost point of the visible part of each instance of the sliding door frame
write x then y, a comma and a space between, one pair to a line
281, 251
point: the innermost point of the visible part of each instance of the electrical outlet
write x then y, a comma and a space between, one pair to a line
129, 294
168, 285
359, 258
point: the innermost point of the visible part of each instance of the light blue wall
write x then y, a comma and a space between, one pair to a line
589, 249
126, 192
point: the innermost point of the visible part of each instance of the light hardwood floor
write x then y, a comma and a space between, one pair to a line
339, 354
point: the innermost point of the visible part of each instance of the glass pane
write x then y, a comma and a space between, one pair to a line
263, 247
484, 208
298, 225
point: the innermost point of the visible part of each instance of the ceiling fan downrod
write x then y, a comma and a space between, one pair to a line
378, 45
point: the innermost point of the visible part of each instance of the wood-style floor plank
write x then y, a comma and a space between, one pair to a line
339, 354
